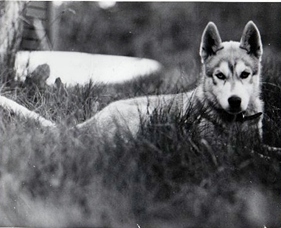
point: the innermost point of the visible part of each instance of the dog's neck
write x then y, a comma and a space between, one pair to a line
240, 117
219, 116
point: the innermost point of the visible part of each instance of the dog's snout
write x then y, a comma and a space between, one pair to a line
234, 102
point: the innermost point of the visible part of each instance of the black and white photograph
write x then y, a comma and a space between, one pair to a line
140, 114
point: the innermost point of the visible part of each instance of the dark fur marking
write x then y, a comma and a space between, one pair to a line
214, 81
231, 67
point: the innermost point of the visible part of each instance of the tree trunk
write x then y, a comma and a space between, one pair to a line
11, 27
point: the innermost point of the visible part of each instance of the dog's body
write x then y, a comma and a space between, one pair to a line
229, 90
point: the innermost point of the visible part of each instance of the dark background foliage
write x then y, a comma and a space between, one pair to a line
168, 32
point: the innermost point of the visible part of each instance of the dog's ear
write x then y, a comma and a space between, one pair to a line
251, 40
210, 42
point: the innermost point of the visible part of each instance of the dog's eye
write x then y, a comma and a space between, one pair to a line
220, 76
244, 75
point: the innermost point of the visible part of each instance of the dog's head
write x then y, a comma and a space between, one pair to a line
231, 69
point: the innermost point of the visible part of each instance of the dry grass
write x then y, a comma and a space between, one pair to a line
167, 177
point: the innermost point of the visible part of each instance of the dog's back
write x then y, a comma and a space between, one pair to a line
128, 114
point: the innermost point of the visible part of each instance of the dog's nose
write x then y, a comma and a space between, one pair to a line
234, 102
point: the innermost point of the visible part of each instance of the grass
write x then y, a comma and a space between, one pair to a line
167, 177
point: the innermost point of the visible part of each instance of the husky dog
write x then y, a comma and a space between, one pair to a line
229, 90
227, 98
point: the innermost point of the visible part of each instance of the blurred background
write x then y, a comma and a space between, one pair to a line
167, 32
164, 31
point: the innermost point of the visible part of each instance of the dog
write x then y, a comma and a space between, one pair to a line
226, 100
227, 95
